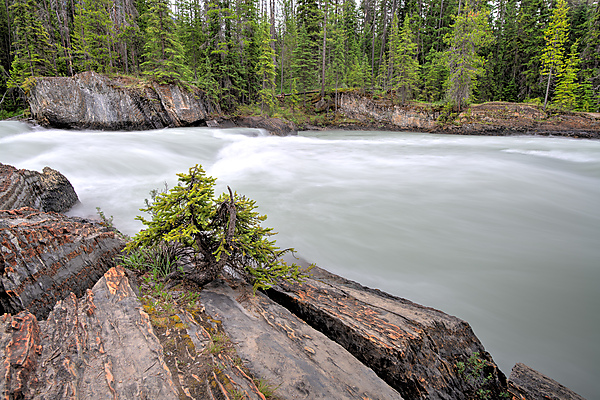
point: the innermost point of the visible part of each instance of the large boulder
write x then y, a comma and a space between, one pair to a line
47, 191
421, 352
92, 101
45, 256
284, 350
100, 346
525, 383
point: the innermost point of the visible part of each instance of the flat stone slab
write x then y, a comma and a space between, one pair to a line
525, 383
421, 352
277, 346
100, 346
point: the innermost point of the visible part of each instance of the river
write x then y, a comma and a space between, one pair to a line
503, 232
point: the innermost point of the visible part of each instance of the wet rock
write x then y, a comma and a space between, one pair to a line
288, 353
92, 101
100, 346
275, 126
525, 383
47, 191
45, 256
410, 117
421, 352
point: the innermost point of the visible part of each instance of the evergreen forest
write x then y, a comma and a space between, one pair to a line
452, 52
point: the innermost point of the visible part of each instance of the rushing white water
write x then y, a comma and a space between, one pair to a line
500, 231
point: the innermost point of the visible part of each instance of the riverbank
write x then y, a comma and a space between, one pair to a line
92, 101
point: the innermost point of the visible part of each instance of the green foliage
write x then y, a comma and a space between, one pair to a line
470, 31
163, 52
567, 87
404, 68
33, 48
94, 36
224, 231
265, 67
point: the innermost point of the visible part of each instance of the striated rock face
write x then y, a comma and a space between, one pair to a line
403, 118
45, 256
421, 352
47, 191
100, 346
525, 383
92, 101
284, 350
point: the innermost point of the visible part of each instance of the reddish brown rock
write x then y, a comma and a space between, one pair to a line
421, 352
45, 256
101, 346
525, 383
46, 191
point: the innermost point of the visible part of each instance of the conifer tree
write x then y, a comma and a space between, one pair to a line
265, 67
555, 36
470, 32
94, 36
403, 63
567, 87
32, 44
163, 52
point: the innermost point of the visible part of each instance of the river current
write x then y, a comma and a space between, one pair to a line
503, 232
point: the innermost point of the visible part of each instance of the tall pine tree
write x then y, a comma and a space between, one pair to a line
163, 52
555, 35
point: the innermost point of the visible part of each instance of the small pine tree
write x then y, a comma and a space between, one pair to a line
217, 232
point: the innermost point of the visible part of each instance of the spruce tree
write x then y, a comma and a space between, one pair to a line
469, 33
567, 87
94, 36
163, 52
403, 63
555, 36
31, 42
265, 69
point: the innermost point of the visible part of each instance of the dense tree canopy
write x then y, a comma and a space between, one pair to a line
442, 51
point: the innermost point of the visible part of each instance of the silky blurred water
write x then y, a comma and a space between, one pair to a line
500, 231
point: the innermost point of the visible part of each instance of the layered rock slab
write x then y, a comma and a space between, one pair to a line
92, 101
525, 383
100, 346
46, 256
47, 191
421, 352
288, 353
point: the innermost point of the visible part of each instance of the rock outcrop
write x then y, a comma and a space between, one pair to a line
277, 346
525, 383
414, 118
47, 191
421, 352
494, 118
100, 346
504, 119
45, 256
92, 101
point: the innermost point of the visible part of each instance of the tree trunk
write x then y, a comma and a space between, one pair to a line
547, 89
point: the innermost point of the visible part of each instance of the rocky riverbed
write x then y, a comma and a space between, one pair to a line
78, 326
